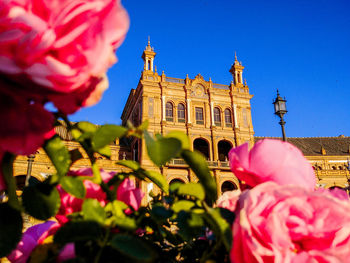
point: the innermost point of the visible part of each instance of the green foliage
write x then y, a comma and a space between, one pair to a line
220, 226
58, 154
79, 231
142, 174
182, 137
41, 201
93, 211
106, 134
163, 149
10, 228
173, 227
87, 127
133, 247
193, 189
182, 205
199, 165
73, 186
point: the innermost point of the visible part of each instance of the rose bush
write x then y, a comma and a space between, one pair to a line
290, 224
271, 160
35, 236
126, 192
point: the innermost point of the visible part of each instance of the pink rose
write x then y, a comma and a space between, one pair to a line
62, 47
71, 204
272, 160
229, 200
34, 236
129, 194
27, 125
126, 192
290, 224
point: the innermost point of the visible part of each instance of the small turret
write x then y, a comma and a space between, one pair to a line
237, 71
148, 56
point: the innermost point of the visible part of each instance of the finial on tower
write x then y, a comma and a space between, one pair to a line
149, 41
235, 56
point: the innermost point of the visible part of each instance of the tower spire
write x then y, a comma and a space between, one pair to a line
148, 56
237, 71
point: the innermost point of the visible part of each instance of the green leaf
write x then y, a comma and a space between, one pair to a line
162, 150
199, 165
161, 213
86, 127
78, 231
93, 211
155, 177
107, 134
190, 225
11, 224
41, 201
130, 164
105, 151
174, 187
73, 186
118, 217
182, 137
126, 223
182, 205
143, 126
7, 171
158, 179
76, 134
134, 248
58, 154
193, 189
219, 225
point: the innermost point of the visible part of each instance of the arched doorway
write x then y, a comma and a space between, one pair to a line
224, 148
202, 146
228, 186
176, 180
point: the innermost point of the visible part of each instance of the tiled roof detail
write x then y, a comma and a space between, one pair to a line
312, 146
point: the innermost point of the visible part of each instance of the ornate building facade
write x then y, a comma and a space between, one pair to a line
216, 117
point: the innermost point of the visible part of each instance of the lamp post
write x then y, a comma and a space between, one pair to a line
29, 167
280, 110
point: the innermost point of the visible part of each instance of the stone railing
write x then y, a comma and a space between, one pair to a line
212, 164
220, 86
175, 80
332, 173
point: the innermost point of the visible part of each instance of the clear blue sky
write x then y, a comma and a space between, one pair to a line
301, 47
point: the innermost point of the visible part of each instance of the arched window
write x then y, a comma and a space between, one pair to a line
202, 146
176, 181
224, 148
217, 116
228, 118
169, 111
228, 186
181, 113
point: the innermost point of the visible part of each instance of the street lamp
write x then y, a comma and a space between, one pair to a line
29, 167
280, 110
